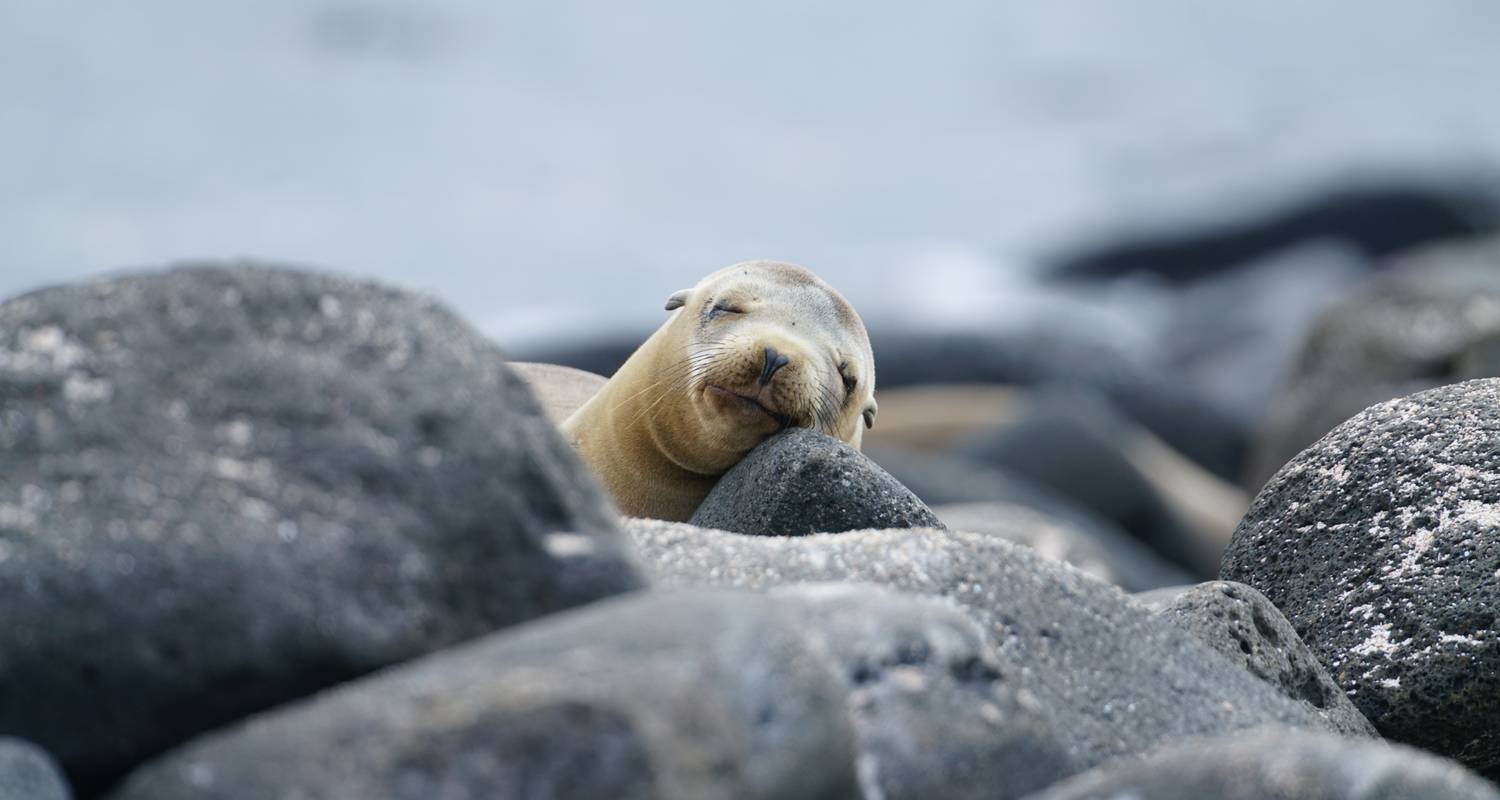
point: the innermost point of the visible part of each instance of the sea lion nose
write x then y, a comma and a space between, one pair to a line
774, 361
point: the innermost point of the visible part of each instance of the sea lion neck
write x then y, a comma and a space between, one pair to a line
644, 480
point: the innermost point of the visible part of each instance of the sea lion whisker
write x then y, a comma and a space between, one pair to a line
657, 402
667, 393
683, 366
680, 380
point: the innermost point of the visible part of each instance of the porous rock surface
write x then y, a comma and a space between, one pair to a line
1278, 765
222, 488
1242, 624
801, 481
934, 716
28, 773
1110, 675
1381, 545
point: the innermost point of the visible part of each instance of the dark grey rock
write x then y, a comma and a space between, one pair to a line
1381, 544
1242, 624
1069, 444
224, 488
692, 695
934, 716
1102, 552
1279, 765
1113, 677
1423, 324
28, 773
801, 481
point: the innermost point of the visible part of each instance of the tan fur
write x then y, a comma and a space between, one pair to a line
668, 424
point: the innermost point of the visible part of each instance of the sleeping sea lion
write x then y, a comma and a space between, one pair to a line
752, 349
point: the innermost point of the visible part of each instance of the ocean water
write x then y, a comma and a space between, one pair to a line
557, 168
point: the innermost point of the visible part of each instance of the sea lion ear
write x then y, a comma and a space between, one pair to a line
678, 299
869, 414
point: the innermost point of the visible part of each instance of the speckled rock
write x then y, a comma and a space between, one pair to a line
659, 695
1425, 323
1111, 676
1101, 552
1278, 765
1381, 544
1242, 624
934, 716
801, 481
224, 488
28, 773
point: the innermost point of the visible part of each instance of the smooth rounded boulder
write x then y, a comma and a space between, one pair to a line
225, 487
802, 481
1381, 545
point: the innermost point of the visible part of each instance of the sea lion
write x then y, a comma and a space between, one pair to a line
752, 349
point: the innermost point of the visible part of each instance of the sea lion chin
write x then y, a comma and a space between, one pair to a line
752, 349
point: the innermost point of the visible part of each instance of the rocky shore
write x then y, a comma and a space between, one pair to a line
270, 533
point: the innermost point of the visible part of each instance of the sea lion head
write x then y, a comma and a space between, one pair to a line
759, 347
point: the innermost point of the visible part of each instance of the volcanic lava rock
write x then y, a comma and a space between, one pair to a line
222, 488
1242, 624
707, 694
1113, 678
933, 714
1381, 544
801, 481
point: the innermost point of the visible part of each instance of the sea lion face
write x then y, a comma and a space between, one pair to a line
765, 346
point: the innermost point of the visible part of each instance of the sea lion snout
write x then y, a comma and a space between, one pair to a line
774, 361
